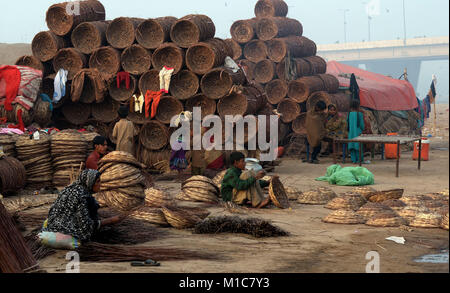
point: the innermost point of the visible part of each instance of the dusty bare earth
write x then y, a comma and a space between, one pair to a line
314, 246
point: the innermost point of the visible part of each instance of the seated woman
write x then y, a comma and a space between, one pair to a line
74, 212
243, 187
336, 127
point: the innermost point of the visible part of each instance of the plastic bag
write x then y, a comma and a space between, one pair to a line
348, 176
58, 241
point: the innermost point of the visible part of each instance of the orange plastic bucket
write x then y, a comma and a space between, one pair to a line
425, 155
390, 150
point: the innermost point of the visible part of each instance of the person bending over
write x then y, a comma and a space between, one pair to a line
75, 210
243, 187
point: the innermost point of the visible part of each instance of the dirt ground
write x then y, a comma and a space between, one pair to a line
314, 246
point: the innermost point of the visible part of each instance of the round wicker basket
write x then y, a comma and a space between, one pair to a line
154, 135
278, 194
347, 217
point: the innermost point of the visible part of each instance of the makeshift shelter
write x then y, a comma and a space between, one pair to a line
389, 103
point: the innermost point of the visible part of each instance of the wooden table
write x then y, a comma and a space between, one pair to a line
383, 139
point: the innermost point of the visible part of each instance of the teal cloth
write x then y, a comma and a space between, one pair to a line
348, 176
355, 122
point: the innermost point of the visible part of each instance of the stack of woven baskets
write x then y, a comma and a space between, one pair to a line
123, 181
8, 142
69, 150
200, 189
35, 156
89, 137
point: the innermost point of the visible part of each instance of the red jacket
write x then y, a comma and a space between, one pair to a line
92, 161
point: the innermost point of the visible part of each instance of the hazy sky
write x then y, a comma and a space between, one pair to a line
323, 20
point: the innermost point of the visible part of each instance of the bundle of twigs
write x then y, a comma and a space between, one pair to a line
37, 249
258, 228
95, 252
15, 256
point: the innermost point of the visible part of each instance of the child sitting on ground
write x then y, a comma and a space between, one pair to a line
243, 187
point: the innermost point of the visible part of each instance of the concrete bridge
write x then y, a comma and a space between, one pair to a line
389, 57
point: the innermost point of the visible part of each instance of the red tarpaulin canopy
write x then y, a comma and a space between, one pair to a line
377, 92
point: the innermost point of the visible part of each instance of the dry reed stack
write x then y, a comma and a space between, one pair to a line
35, 157
123, 182
276, 57
69, 150
15, 256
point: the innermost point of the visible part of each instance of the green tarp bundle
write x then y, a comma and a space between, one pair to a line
348, 176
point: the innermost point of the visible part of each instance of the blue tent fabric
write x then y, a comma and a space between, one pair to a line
348, 176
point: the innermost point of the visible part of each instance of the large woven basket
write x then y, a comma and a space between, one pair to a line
77, 113
299, 124
386, 195
154, 135
107, 111
344, 217
203, 180
219, 178
278, 194
150, 215
365, 191
319, 196
289, 110
386, 219
168, 108
426, 220
208, 106
348, 201
409, 213
315, 98
395, 204
370, 210
416, 200
292, 193
119, 157
184, 85
157, 198
121, 201
179, 218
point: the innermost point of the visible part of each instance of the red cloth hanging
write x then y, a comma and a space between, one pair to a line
154, 97
21, 125
123, 76
11, 76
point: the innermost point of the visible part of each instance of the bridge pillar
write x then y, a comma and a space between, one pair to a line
393, 68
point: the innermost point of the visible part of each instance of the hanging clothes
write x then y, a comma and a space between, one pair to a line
165, 76
123, 76
60, 85
139, 103
152, 98
354, 88
10, 78
46, 98
355, 122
